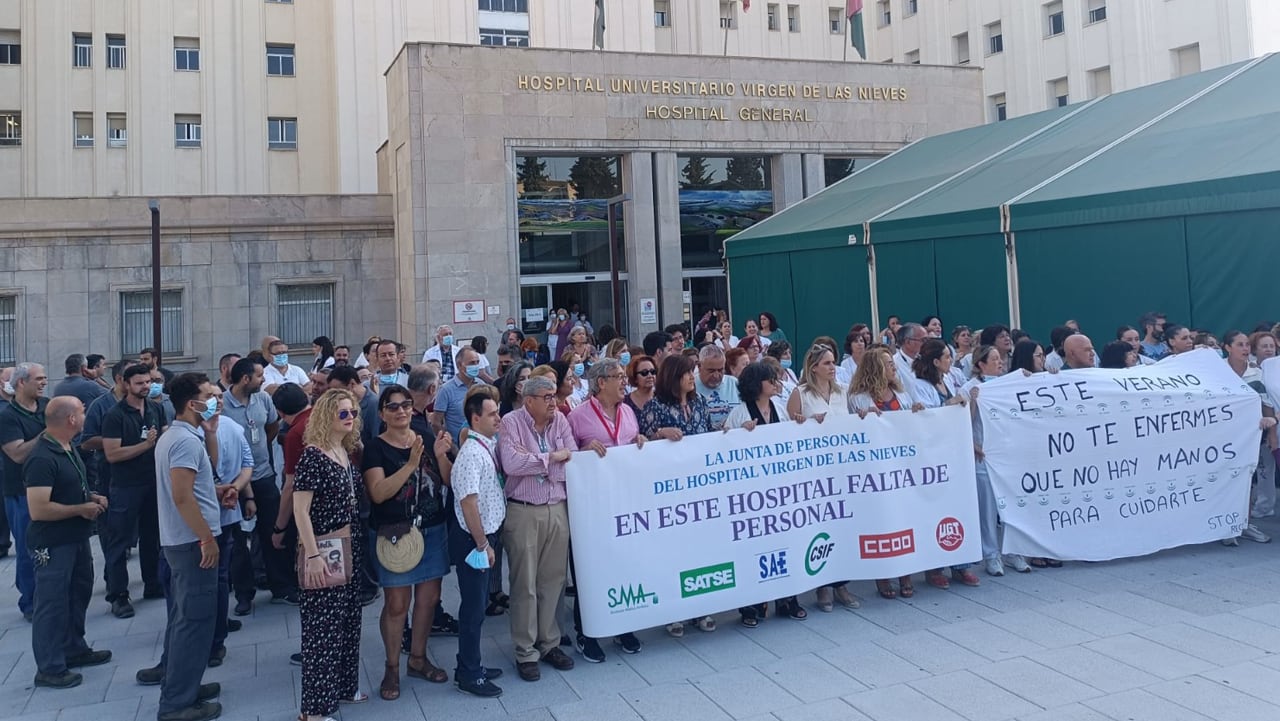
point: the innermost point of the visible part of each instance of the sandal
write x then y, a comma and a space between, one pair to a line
428, 672
906, 589
886, 590
825, 599
750, 621
675, 630
937, 580
791, 608
706, 624
360, 697
846, 599
389, 690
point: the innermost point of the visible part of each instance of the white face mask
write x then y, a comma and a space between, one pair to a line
8, 388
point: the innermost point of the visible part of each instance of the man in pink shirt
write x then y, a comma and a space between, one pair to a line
534, 443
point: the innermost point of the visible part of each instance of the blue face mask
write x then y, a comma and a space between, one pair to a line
478, 559
786, 362
531, 355
473, 371
387, 380
156, 390
281, 359
579, 369
210, 409
446, 341
625, 358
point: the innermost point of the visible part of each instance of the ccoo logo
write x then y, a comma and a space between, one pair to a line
887, 545
815, 559
950, 534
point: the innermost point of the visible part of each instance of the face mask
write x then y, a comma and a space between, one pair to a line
579, 369
8, 388
625, 358
531, 355
511, 326
786, 363
210, 409
447, 340
247, 525
156, 390
387, 380
473, 371
478, 559
564, 318
281, 359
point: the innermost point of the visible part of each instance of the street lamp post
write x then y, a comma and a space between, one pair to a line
156, 340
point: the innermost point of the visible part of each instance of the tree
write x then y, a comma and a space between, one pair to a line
532, 174
745, 173
593, 176
695, 174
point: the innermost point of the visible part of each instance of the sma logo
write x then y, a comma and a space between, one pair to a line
627, 598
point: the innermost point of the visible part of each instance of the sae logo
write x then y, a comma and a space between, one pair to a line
773, 565
629, 598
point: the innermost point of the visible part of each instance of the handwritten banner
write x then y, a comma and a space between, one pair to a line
1096, 464
679, 530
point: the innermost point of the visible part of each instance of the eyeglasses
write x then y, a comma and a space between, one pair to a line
616, 377
344, 414
401, 406
647, 372
546, 398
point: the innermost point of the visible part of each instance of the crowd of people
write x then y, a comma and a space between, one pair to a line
327, 483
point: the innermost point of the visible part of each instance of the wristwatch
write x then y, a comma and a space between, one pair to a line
275, 530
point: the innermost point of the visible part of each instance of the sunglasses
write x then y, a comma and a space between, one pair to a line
344, 414
647, 372
401, 406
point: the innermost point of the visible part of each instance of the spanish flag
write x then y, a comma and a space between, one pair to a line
853, 11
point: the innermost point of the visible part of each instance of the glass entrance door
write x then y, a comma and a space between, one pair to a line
591, 295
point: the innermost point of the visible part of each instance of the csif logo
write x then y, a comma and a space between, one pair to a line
820, 548
708, 579
629, 598
888, 545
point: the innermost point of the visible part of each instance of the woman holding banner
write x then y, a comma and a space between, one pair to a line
642, 376
1239, 348
876, 388
1028, 357
988, 362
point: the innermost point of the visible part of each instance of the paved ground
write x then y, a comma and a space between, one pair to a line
1185, 634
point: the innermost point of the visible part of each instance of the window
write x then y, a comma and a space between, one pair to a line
186, 54
883, 16
10, 128
910, 7
835, 168
8, 329
509, 38
304, 312
1097, 11
115, 52
10, 47
1186, 60
726, 15
135, 321
772, 13
1055, 25
282, 133
502, 6
82, 55
1099, 82
83, 123
117, 130
186, 131
1058, 93
793, 18
280, 60
995, 39
960, 48
912, 57
282, 2
835, 20
998, 111
662, 13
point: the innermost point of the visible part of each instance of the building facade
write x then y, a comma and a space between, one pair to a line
1038, 54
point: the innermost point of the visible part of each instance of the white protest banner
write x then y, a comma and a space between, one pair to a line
679, 530
1096, 464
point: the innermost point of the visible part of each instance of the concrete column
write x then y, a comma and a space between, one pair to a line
788, 180
641, 248
666, 173
815, 175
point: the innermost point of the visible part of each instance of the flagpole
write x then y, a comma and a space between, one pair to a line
848, 38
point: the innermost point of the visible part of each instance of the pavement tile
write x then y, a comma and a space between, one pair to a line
986, 640
1237, 627
1139, 607
610, 677
1070, 712
731, 646
810, 678
1255, 679
673, 702
1035, 682
995, 597
1214, 700
1091, 618
1139, 705
974, 697
745, 692
595, 708
1190, 599
930, 651
667, 662
893, 702
1200, 643
1149, 656
1093, 669
1039, 628
832, 709
872, 665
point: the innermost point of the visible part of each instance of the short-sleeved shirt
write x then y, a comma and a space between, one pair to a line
19, 424
449, 402
49, 465
475, 473
79, 387
293, 444
657, 415
720, 400
254, 417
130, 426
272, 376
93, 416
234, 455
183, 447
422, 496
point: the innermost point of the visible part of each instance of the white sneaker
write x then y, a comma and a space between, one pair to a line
1231, 541
994, 566
1017, 563
1253, 533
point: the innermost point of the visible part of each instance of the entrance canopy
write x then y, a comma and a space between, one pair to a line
1163, 198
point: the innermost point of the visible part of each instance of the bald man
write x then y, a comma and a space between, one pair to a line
62, 514
1077, 352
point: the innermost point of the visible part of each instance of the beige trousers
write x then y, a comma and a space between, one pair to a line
536, 540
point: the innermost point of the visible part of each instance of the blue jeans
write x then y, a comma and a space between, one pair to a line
15, 507
473, 588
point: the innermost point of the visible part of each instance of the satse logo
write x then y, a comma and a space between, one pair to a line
708, 579
887, 545
950, 534
773, 565
815, 559
629, 598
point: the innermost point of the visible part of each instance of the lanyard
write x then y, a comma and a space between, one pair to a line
76, 462
476, 437
617, 425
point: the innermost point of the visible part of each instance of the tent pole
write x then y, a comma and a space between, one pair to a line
1011, 269
871, 280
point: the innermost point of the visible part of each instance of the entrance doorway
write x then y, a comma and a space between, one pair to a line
541, 295
703, 291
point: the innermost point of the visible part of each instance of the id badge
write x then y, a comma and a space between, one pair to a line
253, 434
142, 435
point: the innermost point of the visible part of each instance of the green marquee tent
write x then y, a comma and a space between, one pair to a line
1166, 198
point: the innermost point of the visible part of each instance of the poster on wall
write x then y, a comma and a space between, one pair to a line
468, 311
1096, 464
648, 310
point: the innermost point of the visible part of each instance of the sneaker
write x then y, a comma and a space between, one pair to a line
1253, 533
444, 625
589, 648
1017, 563
675, 630
121, 608
560, 661
201, 711
628, 643
482, 687
88, 658
234, 625
1233, 541
994, 566
296, 659
244, 608
66, 679
288, 599
153, 676
208, 691
491, 673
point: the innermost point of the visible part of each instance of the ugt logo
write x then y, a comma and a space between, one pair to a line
815, 559
627, 598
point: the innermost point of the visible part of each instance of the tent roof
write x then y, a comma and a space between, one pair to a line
1058, 166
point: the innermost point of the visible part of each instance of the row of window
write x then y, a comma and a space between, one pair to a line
281, 58
1054, 19
303, 312
773, 17
188, 131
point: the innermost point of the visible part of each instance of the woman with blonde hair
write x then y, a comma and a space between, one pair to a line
324, 507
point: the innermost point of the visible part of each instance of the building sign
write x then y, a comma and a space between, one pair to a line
468, 311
